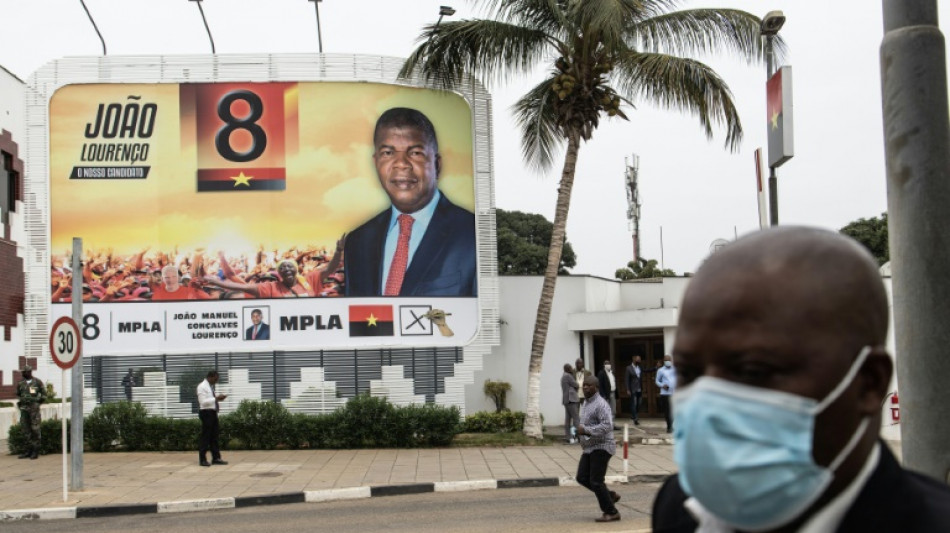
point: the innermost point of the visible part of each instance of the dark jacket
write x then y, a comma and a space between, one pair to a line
263, 334
444, 264
893, 500
603, 384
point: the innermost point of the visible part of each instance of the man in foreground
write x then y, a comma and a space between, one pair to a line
782, 366
597, 439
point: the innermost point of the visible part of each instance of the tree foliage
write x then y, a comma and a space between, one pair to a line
643, 269
523, 243
872, 233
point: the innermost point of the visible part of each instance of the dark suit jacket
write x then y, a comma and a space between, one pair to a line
262, 335
603, 383
444, 264
894, 500
568, 389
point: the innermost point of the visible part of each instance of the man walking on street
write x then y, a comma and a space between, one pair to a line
570, 401
208, 413
31, 393
666, 381
597, 438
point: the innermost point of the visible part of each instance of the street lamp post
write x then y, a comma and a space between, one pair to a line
205, 20
444, 11
316, 7
771, 24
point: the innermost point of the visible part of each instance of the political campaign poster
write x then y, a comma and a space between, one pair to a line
259, 216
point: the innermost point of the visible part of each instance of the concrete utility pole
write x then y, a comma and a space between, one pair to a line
917, 148
76, 411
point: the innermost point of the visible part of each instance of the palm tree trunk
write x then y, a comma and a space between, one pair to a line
532, 423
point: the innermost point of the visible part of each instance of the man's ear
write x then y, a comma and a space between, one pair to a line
438, 166
875, 379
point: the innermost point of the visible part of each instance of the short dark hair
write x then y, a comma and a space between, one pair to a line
212, 374
257, 312
406, 117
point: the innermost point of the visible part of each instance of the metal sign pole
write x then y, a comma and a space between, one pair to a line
77, 378
62, 416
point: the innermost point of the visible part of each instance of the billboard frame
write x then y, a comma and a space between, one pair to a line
252, 68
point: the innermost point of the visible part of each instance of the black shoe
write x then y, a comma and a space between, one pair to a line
34, 455
204, 463
24, 455
218, 462
614, 496
636, 422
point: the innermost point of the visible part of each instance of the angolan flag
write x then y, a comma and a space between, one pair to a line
248, 179
779, 93
371, 321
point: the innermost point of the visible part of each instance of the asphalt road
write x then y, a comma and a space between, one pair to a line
569, 509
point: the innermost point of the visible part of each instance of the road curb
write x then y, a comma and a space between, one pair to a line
310, 496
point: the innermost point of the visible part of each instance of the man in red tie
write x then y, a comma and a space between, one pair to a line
423, 245
259, 330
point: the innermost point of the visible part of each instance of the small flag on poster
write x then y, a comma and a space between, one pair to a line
371, 321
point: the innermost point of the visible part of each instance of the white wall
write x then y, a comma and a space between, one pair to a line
578, 295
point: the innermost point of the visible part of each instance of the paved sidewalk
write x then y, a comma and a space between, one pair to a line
115, 479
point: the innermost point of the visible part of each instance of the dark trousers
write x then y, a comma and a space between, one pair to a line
209, 434
667, 412
570, 418
636, 399
590, 474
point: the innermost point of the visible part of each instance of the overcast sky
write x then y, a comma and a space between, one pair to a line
691, 187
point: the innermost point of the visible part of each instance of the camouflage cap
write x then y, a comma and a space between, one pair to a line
27, 368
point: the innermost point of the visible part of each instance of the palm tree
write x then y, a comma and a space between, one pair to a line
602, 53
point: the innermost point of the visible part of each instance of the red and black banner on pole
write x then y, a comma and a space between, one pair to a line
779, 91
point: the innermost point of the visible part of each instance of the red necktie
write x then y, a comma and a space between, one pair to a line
397, 269
254, 333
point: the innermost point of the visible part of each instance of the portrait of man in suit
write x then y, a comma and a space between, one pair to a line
423, 244
259, 330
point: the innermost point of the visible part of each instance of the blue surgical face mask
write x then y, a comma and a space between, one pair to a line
667, 364
745, 453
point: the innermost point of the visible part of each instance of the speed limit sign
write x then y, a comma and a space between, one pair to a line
65, 343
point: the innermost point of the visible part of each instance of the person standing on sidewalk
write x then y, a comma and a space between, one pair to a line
666, 381
570, 401
597, 438
634, 379
31, 393
607, 385
208, 413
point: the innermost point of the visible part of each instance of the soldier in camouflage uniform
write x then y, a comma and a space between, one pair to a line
31, 392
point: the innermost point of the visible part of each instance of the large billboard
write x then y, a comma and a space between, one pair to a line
252, 216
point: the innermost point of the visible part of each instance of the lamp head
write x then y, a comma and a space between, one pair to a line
772, 23
446, 11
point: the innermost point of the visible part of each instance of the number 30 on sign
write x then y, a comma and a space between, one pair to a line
65, 342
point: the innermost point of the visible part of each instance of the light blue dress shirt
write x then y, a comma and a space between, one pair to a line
666, 376
421, 219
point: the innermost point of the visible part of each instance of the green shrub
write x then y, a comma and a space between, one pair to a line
120, 424
366, 422
498, 392
434, 425
51, 435
172, 434
485, 422
314, 432
259, 425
